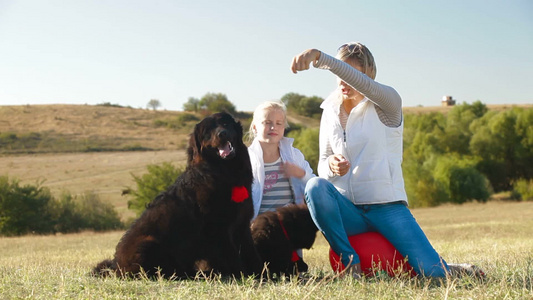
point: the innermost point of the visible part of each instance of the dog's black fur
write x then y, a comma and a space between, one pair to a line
273, 245
195, 225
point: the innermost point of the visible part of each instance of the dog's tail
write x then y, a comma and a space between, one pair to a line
105, 268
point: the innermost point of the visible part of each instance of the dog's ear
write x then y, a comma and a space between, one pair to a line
195, 145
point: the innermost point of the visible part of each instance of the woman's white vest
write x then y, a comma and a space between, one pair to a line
373, 149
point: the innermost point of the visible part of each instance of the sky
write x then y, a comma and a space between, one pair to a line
128, 52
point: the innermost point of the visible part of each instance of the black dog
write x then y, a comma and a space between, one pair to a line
202, 222
277, 234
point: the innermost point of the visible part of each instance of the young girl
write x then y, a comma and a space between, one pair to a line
280, 170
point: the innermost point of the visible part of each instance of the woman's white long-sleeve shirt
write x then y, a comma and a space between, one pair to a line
288, 154
373, 148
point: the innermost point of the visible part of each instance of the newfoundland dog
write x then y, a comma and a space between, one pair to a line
202, 222
278, 234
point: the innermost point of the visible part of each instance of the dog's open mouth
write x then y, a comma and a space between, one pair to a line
226, 151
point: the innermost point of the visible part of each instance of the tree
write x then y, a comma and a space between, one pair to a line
310, 107
437, 145
422, 188
306, 140
154, 104
302, 105
291, 100
192, 105
503, 141
216, 102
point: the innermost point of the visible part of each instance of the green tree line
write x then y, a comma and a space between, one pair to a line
467, 154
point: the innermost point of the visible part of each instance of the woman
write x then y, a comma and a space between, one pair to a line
360, 187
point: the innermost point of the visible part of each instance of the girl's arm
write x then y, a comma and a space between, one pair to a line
299, 168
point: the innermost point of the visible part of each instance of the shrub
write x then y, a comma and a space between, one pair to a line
462, 181
306, 140
65, 213
97, 215
32, 209
73, 214
23, 209
109, 104
178, 122
20, 141
186, 117
468, 184
523, 190
157, 180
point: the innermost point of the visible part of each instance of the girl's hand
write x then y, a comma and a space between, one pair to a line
338, 164
302, 61
292, 170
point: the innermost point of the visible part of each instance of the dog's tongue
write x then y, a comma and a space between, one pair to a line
224, 150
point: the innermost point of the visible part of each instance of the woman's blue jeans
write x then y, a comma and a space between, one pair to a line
337, 218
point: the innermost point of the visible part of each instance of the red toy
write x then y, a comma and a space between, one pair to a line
376, 254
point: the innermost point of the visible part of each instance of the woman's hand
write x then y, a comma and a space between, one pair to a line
338, 164
292, 170
302, 61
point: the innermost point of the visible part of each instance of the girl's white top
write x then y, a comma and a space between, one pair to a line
288, 154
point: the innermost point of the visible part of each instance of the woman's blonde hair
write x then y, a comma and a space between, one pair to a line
359, 54
261, 111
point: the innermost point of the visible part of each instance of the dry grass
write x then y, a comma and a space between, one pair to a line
127, 126
496, 236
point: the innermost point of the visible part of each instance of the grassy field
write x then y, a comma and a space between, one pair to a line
496, 236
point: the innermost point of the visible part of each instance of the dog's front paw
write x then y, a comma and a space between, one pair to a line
300, 266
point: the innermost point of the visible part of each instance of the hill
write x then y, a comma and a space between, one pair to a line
80, 148
74, 128
91, 128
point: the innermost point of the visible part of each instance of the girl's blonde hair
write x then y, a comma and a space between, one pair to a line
359, 54
261, 111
